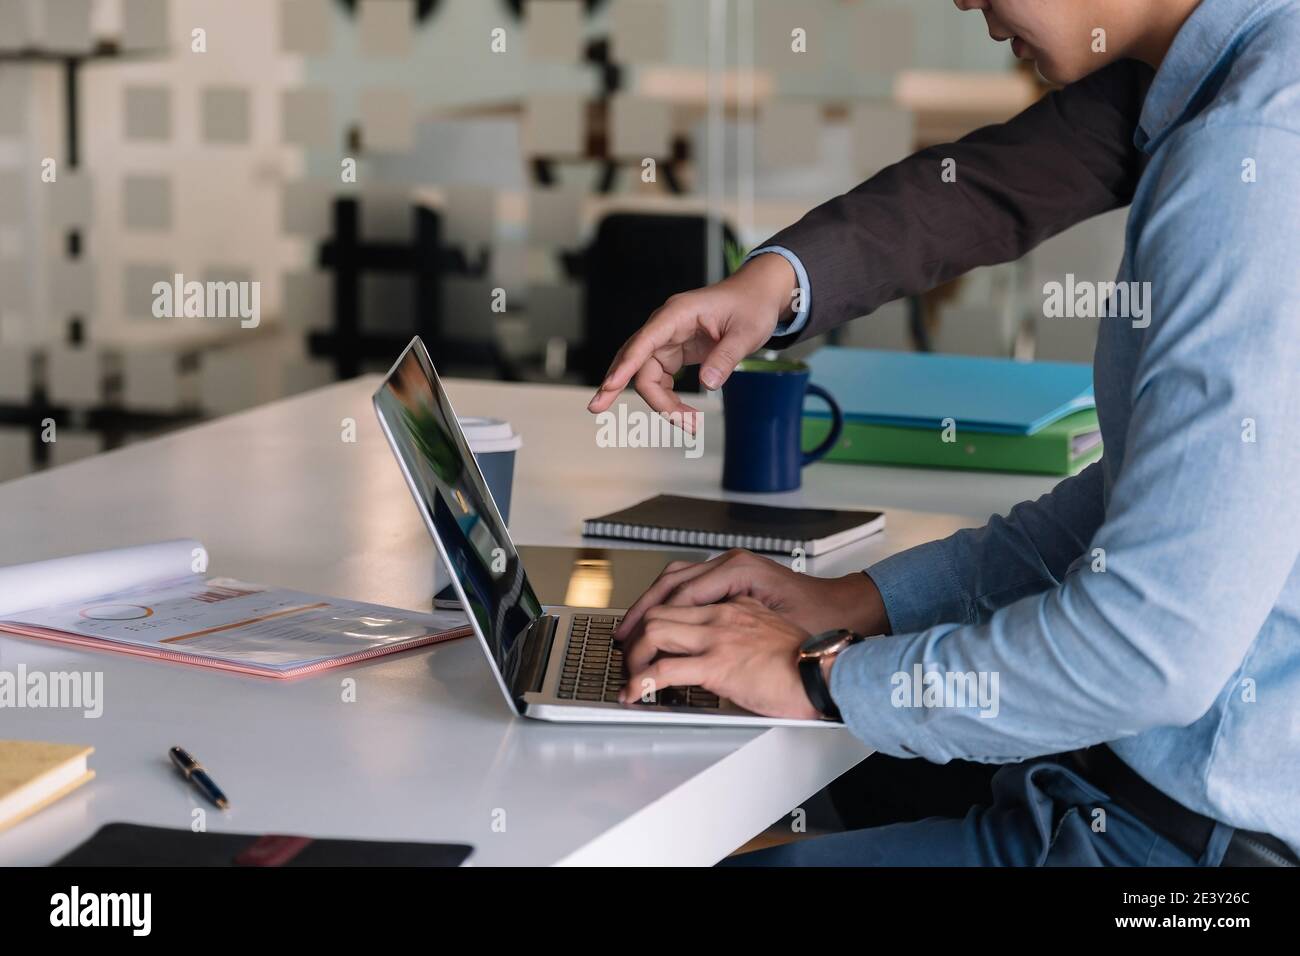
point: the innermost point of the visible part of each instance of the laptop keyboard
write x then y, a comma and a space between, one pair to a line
593, 668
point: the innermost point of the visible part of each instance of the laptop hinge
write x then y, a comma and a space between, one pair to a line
537, 653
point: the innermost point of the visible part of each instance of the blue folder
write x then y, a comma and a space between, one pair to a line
920, 390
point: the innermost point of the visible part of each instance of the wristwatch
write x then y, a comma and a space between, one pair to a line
814, 651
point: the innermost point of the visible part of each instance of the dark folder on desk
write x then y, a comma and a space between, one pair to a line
127, 844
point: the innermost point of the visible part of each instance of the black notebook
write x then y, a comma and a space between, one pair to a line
128, 844
702, 523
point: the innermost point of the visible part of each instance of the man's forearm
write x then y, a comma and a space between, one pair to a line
1065, 159
966, 577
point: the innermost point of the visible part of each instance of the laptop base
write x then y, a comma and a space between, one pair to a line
557, 702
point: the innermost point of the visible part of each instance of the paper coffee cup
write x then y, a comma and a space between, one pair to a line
494, 443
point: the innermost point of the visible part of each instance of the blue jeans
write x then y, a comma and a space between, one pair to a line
1043, 814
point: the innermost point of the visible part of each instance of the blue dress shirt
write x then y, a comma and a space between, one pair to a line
1153, 600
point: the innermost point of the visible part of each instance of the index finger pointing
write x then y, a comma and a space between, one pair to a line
634, 354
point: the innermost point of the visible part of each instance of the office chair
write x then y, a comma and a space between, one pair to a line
634, 263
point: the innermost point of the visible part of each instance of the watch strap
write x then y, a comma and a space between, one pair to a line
814, 685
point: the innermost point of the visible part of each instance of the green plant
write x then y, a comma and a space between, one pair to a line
734, 253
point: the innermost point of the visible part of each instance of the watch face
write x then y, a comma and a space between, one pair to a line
828, 642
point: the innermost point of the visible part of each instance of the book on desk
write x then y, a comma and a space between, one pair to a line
34, 774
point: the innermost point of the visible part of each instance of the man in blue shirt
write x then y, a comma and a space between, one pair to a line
1141, 623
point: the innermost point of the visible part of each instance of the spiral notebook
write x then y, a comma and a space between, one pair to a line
703, 523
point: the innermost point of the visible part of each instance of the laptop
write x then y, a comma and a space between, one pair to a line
551, 663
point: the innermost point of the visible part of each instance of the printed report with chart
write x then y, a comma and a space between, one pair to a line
150, 601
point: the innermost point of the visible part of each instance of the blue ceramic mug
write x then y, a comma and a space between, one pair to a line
763, 405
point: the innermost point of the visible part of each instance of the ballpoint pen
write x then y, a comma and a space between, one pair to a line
193, 771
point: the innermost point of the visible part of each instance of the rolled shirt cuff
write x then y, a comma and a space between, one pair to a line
924, 600
864, 687
920, 588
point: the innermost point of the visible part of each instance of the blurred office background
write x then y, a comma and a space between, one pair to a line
520, 182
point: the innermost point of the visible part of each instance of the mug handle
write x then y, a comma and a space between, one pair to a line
837, 425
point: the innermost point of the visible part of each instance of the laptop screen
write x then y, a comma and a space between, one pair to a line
450, 490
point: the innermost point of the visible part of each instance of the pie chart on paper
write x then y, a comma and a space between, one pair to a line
116, 612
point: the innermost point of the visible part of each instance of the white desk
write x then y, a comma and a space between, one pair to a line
429, 750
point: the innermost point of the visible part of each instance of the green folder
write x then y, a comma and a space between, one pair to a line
1061, 448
